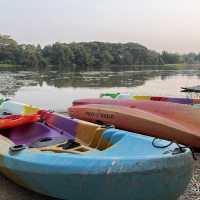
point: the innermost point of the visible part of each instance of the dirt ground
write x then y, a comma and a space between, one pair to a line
193, 190
10, 191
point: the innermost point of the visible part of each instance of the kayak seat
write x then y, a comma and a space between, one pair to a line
91, 135
68, 147
60, 123
77, 145
30, 133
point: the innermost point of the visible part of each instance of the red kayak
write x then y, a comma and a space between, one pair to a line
17, 120
136, 120
187, 101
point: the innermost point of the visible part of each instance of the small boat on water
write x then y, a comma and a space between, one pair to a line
165, 120
72, 159
180, 100
195, 89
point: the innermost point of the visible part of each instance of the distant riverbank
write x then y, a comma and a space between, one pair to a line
87, 55
103, 68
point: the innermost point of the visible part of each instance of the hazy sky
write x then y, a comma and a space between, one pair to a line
173, 25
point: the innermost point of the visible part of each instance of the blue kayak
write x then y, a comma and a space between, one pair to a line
72, 159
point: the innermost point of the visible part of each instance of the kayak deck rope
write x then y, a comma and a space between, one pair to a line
160, 147
180, 149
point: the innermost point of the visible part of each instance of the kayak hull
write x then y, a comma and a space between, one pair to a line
93, 178
144, 122
108, 186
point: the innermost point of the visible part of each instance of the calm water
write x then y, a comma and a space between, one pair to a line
56, 90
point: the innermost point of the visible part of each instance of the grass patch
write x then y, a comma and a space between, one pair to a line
9, 66
181, 65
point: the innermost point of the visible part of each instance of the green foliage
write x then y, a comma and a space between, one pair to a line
171, 58
85, 55
8, 50
192, 58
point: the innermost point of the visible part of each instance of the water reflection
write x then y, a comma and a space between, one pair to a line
11, 82
57, 90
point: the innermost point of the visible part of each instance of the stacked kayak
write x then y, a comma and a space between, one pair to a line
17, 120
14, 114
195, 89
69, 158
164, 120
180, 100
9, 106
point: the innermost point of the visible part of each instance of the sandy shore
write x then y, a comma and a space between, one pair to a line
10, 191
193, 191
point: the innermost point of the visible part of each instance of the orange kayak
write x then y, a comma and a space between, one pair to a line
17, 120
165, 109
182, 127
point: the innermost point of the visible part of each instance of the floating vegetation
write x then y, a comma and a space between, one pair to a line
11, 82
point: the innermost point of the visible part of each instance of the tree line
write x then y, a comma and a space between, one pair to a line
85, 55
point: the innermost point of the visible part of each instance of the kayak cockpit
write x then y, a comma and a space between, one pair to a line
61, 134
48, 136
51, 132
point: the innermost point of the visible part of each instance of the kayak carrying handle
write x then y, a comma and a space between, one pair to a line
182, 149
17, 148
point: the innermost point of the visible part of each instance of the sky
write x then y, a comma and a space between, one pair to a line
171, 25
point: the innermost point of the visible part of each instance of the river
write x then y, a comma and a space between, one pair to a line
56, 91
